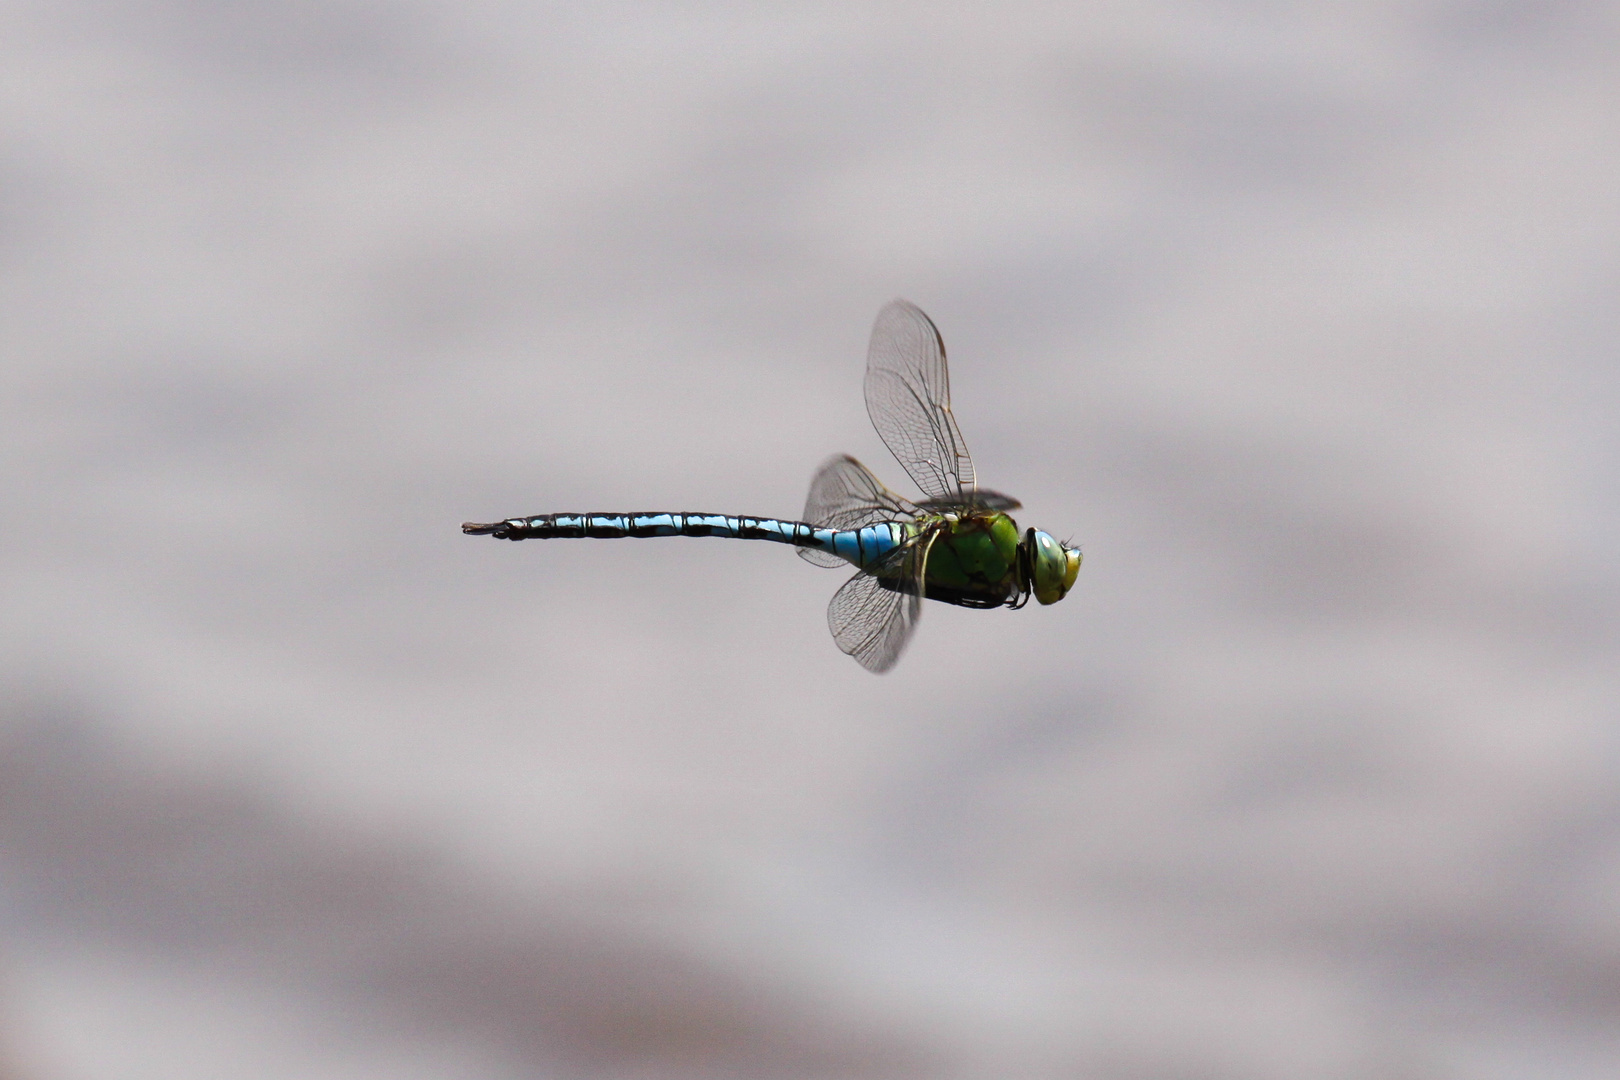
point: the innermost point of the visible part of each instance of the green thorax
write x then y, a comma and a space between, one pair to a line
973, 560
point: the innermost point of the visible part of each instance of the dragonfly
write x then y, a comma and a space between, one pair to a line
958, 544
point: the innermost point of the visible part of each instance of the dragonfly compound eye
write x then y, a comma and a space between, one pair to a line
1055, 567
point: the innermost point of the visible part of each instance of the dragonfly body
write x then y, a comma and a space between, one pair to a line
957, 546
973, 562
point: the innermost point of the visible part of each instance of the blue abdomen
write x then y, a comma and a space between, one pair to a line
860, 547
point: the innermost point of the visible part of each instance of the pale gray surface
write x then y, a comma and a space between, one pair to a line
1300, 319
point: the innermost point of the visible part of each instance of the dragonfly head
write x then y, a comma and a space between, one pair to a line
1052, 566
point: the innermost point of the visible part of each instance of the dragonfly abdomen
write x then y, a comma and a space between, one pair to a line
861, 547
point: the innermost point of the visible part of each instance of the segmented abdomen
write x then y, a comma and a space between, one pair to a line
862, 547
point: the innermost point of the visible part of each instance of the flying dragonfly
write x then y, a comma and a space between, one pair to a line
957, 545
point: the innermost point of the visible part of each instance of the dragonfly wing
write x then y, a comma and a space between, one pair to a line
983, 498
822, 558
845, 495
908, 397
872, 616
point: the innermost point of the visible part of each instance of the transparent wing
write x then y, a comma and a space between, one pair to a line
845, 495
873, 615
982, 497
908, 397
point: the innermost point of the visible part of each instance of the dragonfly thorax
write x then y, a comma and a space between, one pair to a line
973, 558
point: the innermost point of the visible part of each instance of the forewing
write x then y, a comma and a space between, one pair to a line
983, 498
845, 495
873, 623
908, 397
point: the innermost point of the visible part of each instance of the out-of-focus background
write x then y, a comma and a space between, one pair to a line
1300, 319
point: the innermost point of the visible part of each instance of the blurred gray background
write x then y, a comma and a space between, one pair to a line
1300, 319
